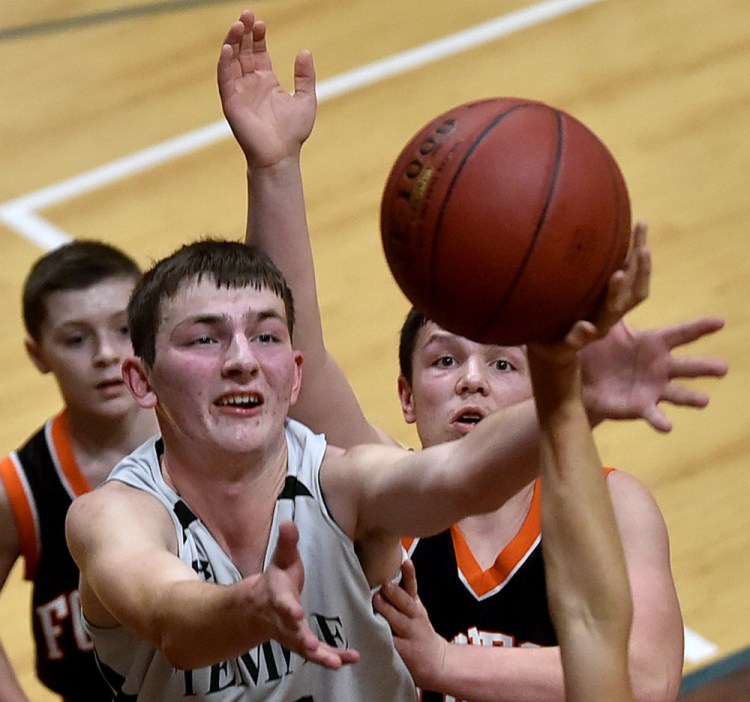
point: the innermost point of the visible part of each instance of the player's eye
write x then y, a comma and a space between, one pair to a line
504, 365
73, 340
266, 338
446, 362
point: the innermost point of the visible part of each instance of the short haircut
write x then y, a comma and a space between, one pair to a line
74, 266
229, 264
414, 321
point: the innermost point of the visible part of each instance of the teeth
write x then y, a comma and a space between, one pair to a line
470, 418
240, 400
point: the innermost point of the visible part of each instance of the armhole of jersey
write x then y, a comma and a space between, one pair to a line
24, 514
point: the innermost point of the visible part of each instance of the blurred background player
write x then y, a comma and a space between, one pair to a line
75, 311
447, 386
587, 582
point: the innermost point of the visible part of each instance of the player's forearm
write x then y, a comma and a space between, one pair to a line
498, 458
587, 582
578, 523
10, 688
277, 224
195, 624
277, 220
499, 674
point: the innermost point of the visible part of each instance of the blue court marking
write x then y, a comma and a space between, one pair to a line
713, 671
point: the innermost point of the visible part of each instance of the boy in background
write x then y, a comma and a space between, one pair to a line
75, 302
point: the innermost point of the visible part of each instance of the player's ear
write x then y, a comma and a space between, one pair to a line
297, 381
136, 377
406, 396
34, 352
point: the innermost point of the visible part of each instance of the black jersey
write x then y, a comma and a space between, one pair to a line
42, 479
504, 605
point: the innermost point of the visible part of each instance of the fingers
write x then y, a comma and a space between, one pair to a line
224, 73
303, 641
629, 286
657, 419
409, 578
637, 278
687, 332
329, 657
304, 74
286, 554
242, 39
683, 397
396, 620
397, 606
697, 368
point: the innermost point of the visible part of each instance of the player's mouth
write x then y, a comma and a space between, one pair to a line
467, 418
111, 387
241, 401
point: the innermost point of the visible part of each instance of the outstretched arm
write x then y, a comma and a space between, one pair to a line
271, 125
194, 623
10, 688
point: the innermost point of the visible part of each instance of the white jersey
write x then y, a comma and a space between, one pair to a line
336, 598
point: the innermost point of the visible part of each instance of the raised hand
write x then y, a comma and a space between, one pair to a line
629, 372
269, 123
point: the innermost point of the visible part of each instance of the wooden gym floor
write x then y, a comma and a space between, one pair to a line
111, 128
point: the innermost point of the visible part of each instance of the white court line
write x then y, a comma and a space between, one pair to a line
21, 214
697, 648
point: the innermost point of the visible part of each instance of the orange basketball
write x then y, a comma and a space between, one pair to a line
503, 219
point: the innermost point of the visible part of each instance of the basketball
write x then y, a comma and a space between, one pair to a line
502, 220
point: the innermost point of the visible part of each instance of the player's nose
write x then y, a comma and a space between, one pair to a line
473, 377
239, 358
107, 351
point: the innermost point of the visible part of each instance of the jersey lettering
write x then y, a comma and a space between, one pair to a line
331, 630
53, 617
266, 664
478, 637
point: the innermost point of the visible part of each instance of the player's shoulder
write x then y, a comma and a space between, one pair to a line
626, 486
633, 502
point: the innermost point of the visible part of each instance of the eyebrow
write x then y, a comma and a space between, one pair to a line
439, 337
216, 319
83, 322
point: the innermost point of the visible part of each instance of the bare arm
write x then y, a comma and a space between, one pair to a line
271, 125
118, 529
587, 584
10, 688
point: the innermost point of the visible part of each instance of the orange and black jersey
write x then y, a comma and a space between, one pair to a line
504, 605
42, 479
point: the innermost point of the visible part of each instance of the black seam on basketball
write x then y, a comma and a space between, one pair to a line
540, 223
598, 290
446, 199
